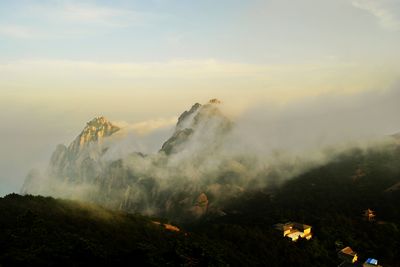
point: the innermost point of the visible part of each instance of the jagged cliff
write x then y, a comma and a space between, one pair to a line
171, 185
80, 161
95, 131
196, 125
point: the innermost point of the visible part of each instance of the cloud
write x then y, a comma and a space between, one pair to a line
145, 137
382, 10
284, 81
63, 19
146, 127
313, 123
16, 31
175, 39
94, 14
84, 12
267, 145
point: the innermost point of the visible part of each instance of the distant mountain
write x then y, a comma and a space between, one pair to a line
80, 162
195, 174
94, 131
80, 170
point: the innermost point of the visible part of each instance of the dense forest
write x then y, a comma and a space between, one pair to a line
42, 231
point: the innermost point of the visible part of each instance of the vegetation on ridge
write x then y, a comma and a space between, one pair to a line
330, 198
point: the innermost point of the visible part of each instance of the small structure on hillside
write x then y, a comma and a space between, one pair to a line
370, 262
347, 255
369, 215
167, 226
294, 230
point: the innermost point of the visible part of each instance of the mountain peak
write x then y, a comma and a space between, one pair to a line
99, 120
185, 116
96, 129
202, 121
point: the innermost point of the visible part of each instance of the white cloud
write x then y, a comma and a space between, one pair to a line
146, 127
16, 31
93, 14
284, 81
90, 13
382, 10
175, 39
65, 19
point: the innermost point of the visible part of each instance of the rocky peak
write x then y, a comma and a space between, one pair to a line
207, 113
190, 117
206, 122
79, 161
94, 130
99, 123
185, 118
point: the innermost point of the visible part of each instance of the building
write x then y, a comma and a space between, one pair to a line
347, 255
369, 215
294, 231
370, 262
349, 258
167, 226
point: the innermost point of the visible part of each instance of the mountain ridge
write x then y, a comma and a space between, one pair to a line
79, 170
193, 174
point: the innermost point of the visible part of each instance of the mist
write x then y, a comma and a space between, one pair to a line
313, 123
228, 153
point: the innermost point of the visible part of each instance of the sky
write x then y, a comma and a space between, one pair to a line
143, 62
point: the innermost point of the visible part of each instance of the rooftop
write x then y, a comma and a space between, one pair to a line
289, 225
371, 261
348, 251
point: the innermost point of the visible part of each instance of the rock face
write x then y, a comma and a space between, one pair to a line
185, 118
202, 123
163, 183
178, 139
95, 131
79, 162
